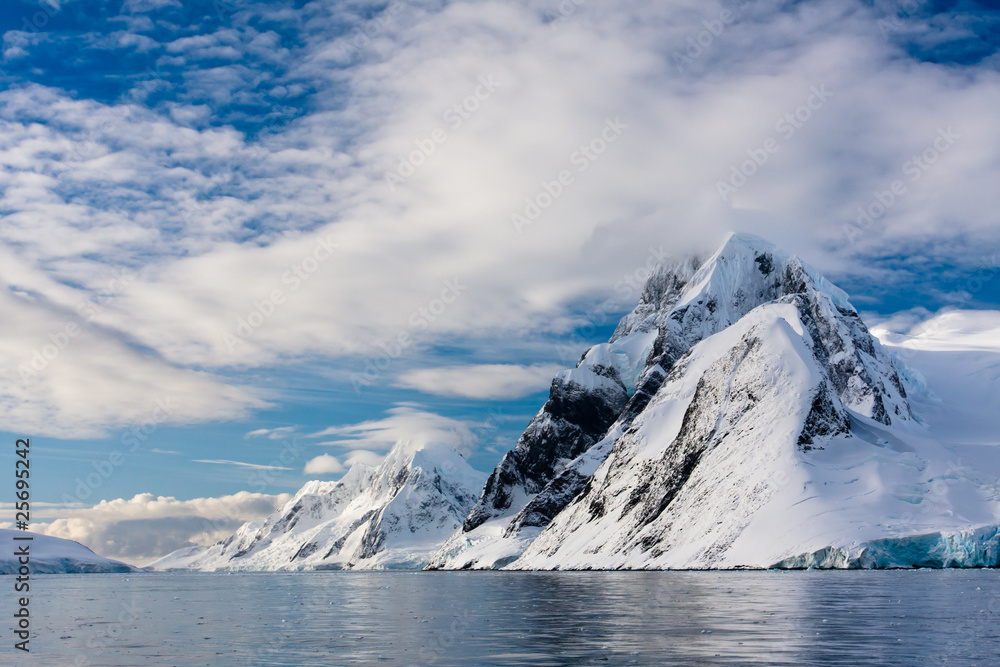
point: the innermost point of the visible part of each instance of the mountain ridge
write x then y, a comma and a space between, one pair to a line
681, 305
742, 415
392, 516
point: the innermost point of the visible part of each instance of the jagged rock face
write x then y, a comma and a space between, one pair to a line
393, 516
424, 499
686, 482
686, 479
661, 292
313, 503
739, 417
747, 273
571, 481
579, 412
570, 422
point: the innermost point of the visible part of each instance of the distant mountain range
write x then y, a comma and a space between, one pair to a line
741, 416
392, 516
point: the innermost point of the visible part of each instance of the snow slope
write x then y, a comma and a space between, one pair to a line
54, 555
952, 364
390, 517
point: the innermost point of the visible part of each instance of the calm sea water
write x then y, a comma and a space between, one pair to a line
493, 618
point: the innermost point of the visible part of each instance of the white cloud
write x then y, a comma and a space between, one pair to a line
146, 527
134, 6
353, 456
69, 377
363, 456
900, 322
485, 381
239, 464
279, 433
222, 223
324, 464
404, 423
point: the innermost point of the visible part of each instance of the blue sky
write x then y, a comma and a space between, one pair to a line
331, 178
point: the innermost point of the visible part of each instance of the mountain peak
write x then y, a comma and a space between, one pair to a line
392, 516
688, 308
744, 239
746, 271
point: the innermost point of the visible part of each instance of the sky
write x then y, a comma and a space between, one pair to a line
247, 244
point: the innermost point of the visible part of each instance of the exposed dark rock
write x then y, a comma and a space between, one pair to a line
572, 420
306, 550
569, 483
825, 419
765, 263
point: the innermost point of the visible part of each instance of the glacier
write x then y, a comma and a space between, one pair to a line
55, 555
968, 548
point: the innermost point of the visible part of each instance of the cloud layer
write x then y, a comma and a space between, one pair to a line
145, 527
408, 423
483, 381
411, 191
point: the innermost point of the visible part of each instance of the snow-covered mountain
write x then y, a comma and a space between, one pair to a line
393, 516
741, 416
54, 555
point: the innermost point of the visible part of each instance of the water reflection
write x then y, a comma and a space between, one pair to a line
495, 618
